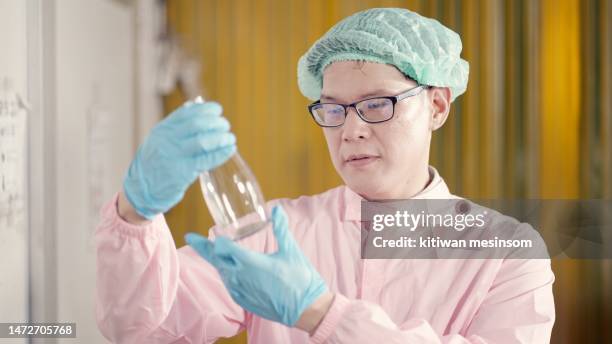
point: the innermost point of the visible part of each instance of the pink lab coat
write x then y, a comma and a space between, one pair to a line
148, 291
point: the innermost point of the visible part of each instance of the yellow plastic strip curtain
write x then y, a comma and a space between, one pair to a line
559, 136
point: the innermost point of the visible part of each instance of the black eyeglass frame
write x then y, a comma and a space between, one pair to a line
394, 99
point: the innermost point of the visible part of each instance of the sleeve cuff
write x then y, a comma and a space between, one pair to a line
331, 319
110, 219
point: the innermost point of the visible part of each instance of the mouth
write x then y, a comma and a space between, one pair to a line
360, 159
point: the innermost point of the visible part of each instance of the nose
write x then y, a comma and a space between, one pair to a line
354, 128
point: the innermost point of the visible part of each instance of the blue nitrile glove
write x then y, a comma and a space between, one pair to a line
192, 139
278, 286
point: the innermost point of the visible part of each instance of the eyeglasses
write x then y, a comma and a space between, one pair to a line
371, 110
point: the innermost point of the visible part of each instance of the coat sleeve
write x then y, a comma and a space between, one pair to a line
519, 308
150, 292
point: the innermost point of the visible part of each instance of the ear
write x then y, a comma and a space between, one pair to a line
440, 98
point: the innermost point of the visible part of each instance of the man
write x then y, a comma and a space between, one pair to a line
384, 80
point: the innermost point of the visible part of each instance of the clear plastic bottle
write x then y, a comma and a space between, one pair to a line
233, 198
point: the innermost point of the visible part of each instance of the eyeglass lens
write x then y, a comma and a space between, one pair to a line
372, 110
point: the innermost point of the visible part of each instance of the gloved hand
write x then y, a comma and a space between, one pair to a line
278, 286
192, 139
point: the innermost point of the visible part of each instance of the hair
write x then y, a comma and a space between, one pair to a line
360, 63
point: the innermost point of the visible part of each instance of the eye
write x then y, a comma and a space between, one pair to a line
377, 104
335, 110
329, 114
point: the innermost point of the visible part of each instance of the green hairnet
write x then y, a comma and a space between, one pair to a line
421, 48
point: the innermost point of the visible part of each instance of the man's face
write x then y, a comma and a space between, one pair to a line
379, 160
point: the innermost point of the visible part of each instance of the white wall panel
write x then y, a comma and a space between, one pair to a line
95, 116
13, 228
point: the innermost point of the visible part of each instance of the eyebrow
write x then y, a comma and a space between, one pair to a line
363, 96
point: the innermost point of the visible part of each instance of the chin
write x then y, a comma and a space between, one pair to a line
369, 183
366, 187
